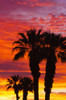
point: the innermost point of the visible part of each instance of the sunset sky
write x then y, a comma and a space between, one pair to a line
21, 15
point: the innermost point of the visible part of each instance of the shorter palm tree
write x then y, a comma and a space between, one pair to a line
26, 85
13, 82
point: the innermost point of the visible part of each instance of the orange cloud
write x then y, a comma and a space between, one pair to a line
49, 4
22, 3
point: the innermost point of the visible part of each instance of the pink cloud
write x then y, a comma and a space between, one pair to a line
10, 27
34, 19
41, 20
32, 0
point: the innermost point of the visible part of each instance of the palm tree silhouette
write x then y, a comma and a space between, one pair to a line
56, 45
26, 84
31, 44
13, 82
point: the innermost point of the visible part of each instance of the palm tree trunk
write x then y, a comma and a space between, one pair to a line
25, 94
47, 96
36, 95
34, 67
17, 97
50, 72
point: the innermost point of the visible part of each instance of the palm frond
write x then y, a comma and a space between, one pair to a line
10, 81
18, 42
24, 41
20, 48
39, 31
31, 36
46, 37
16, 86
19, 55
62, 40
62, 55
32, 32
21, 80
63, 43
9, 87
23, 37
14, 78
15, 48
18, 78
27, 83
56, 35
7, 84
31, 88
63, 47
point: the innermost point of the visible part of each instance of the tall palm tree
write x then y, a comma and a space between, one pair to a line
26, 85
13, 82
30, 43
56, 49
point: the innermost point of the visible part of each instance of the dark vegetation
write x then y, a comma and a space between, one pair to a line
20, 84
39, 45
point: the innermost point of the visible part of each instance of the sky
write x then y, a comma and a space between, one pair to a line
21, 15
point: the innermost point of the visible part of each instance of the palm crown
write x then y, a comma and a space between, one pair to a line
27, 84
27, 43
56, 43
13, 82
